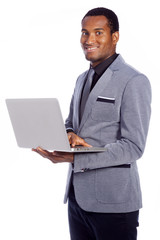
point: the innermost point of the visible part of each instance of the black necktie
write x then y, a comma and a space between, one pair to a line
86, 91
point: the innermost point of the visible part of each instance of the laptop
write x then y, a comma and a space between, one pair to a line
39, 122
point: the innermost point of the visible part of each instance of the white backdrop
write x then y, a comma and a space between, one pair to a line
40, 56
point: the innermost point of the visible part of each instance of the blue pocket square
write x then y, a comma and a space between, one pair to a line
105, 99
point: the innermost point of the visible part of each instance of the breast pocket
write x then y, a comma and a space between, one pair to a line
104, 109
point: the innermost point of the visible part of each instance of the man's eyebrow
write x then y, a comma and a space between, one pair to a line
96, 29
83, 29
99, 29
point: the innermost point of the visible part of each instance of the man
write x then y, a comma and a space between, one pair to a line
103, 188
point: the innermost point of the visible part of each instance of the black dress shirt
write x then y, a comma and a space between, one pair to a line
101, 68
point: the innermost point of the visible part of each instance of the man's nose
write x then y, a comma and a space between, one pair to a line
90, 39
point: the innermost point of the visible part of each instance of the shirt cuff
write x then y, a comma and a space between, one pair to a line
69, 130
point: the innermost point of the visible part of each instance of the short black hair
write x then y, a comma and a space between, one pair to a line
109, 14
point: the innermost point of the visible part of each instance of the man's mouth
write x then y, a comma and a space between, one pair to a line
90, 49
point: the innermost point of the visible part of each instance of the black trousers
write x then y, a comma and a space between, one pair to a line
100, 226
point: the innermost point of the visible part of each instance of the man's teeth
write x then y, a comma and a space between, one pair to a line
91, 48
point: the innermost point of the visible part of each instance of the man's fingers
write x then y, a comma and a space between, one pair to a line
42, 152
80, 141
76, 140
85, 144
55, 157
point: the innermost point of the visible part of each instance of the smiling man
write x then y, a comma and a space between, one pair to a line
110, 108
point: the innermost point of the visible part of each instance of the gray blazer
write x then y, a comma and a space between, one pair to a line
116, 116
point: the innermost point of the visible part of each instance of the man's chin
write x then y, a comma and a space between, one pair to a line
93, 61
90, 58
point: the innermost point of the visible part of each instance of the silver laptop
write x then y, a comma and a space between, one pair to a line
39, 122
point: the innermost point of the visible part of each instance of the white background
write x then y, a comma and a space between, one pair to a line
40, 56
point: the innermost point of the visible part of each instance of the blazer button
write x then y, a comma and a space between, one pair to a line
84, 169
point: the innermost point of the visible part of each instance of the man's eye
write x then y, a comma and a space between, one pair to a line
98, 33
84, 33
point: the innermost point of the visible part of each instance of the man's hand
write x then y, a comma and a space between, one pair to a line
60, 157
55, 157
76, 140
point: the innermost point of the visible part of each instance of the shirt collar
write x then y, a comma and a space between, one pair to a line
100, 68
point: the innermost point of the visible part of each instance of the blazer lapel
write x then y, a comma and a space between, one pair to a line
103, 81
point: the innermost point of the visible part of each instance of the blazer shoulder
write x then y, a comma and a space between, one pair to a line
125, 71
120, 65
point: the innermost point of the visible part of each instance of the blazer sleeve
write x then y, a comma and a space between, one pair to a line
134, 123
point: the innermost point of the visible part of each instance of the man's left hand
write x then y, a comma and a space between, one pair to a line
55, 157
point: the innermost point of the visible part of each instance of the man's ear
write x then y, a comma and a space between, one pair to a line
115, 37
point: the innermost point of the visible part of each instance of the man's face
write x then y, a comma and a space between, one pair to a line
97, 41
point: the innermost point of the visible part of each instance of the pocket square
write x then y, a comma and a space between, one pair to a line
105, 99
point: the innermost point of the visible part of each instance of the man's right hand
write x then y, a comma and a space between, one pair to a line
76, 140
